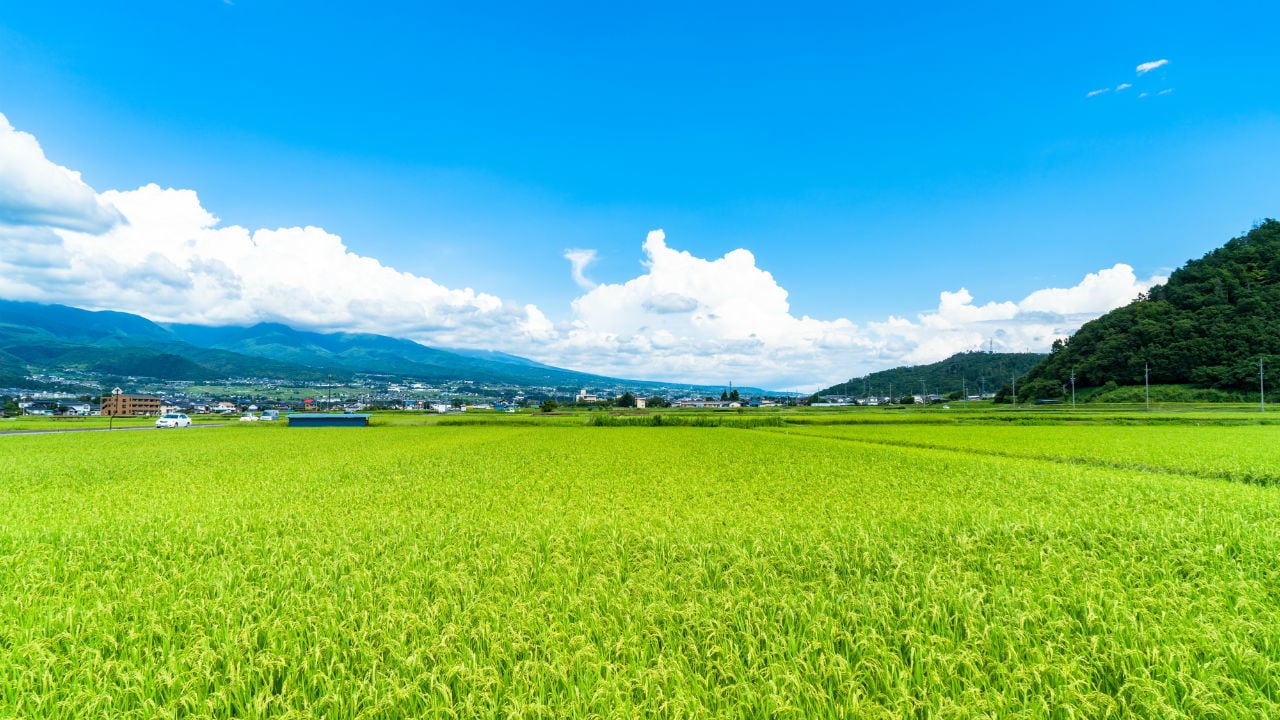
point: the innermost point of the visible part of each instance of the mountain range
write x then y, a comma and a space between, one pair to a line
52, 339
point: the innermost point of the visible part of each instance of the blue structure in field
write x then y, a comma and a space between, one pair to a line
327, 420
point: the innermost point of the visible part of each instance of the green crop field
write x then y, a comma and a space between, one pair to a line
1249, 453
548, 567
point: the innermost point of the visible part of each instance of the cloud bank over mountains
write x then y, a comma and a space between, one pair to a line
159, 253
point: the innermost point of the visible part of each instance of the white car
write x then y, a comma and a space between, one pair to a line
248, 417
173, 420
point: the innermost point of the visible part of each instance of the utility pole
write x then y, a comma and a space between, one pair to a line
1262, 394
924, 394
1015, 392
1146, 382
115, 407
964, 391
1073, 389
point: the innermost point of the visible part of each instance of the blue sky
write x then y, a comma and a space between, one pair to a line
869, 157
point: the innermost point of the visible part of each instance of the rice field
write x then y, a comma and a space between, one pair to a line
565, 570
1240, 453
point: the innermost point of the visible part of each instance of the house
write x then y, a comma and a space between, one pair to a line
701, 403
78, 407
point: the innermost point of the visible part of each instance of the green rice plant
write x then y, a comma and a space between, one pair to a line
1240, 453
561, 571
686, 420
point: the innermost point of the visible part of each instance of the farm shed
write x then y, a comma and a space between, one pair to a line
328, 420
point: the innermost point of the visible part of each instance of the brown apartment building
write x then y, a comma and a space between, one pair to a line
118, 405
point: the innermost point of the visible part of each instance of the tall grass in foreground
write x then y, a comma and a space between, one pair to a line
566, 572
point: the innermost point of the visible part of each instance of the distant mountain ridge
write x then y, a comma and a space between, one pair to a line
51, 338
369, 353
970, 371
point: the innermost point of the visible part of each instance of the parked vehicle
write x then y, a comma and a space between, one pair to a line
270, 415
173, 420
248, 417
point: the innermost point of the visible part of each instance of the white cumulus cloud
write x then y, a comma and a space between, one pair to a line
37, 192
719, 320
160, 253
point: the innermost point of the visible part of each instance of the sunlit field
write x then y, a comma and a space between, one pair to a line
548, 567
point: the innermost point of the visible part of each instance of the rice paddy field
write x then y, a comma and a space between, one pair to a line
551, 568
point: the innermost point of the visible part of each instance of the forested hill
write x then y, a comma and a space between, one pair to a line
1208, 326
971, 370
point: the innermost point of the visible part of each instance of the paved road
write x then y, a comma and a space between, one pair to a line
55, 431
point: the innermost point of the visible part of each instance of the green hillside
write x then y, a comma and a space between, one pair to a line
1208, 326
973, 371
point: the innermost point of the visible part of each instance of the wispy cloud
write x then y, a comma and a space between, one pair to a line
1142, 69
1166, 91
1147, 67
579, 260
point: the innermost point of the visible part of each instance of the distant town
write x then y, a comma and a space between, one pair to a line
82, 394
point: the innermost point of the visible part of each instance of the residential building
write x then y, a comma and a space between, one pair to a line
118, 405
